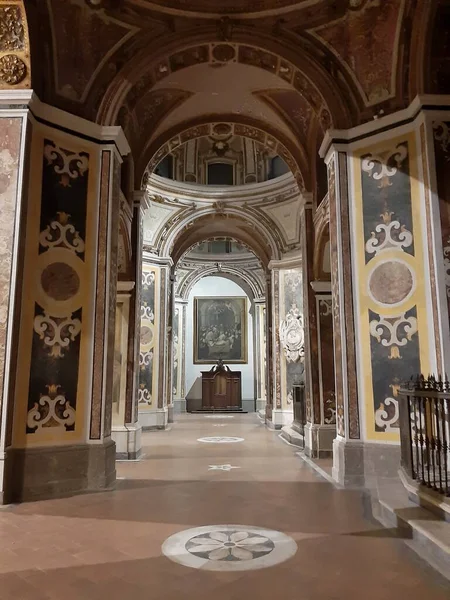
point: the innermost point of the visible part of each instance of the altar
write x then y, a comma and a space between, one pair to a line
221, 388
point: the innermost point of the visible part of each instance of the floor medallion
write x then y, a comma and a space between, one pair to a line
219, 439
229, 548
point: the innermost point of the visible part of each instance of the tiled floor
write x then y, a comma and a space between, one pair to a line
108, 546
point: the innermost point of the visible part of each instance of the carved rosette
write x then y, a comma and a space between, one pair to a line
14, 46
292, 336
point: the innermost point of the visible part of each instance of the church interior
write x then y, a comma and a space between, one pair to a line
224, 299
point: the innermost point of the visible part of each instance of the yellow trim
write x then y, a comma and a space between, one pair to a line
417, 263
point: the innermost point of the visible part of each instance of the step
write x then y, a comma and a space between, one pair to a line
424, 532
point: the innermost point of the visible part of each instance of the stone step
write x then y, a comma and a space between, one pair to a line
424, 532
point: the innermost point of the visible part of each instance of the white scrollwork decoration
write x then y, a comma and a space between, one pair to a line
442, 134
144, 396
292, 336
383, 419
397, 330
73, 165
56, 333
61, 233
325, 307
147, 313
147, 278
382, 167
330, 409
52, 410
145, 359
388, 236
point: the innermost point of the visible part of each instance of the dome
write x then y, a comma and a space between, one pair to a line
221, 158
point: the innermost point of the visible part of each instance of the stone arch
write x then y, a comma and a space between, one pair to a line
322, 240
211, 223
305, 70
15, 50
294, 155
247, 281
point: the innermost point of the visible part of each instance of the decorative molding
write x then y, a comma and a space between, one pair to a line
292, 335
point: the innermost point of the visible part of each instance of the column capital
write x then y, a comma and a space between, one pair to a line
102, 134
125, 286
15, 99
321, 287
290, 260
141, 199
154, 259
342, 139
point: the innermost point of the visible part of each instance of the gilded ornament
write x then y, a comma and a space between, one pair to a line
53, 410
12, 34
12, 69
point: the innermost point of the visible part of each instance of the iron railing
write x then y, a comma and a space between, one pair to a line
425, 432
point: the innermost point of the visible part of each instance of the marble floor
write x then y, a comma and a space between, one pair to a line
235, 516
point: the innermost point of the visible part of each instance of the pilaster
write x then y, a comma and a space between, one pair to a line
153, 393
57, 431
386, 274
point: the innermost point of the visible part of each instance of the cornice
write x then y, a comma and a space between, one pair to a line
277, 190
346, 138
72, 124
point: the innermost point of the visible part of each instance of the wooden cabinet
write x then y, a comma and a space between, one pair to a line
221, 388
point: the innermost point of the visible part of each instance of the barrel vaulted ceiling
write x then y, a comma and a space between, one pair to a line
291, 69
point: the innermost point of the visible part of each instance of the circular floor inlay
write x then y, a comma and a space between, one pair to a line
219, 417
218, 439
229, 548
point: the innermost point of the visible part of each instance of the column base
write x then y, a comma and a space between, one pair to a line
179, 406
170, 411
319, 440
361, 464
128, 441
280, 418
155, 419
58, 471
260, 404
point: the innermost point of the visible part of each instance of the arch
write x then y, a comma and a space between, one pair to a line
15, 61
280, 55
252, 288
232, 224
322, 237
294, 156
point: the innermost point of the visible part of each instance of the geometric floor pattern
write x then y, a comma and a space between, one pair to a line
115, 545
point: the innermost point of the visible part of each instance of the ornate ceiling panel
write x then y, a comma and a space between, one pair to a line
292, 108
366, 40
84, 39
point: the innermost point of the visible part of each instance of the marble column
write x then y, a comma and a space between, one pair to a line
14, 147
260, 353
287, 334
325, 429
126, 432
179, 356
57, 429
383, 239
153, 396
311, 376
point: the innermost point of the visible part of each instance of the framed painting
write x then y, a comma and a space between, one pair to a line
220, 330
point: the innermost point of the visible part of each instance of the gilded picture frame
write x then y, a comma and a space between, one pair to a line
220, 330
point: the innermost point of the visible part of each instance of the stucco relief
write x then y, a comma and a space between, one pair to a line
14, 46
292, 336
